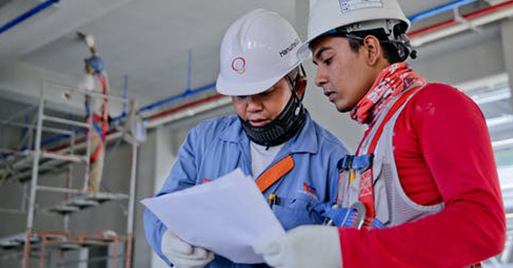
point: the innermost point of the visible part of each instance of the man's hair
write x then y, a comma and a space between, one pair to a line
390, 51
292, 77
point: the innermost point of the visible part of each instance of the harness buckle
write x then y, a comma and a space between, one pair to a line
360, 214
345, 163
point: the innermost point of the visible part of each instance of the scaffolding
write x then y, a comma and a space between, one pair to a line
25, 164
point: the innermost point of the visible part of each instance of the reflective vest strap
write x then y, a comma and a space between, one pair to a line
274, 173
366, 195
389, 115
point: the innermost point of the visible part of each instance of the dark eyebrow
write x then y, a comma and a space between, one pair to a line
269, 90
319, 53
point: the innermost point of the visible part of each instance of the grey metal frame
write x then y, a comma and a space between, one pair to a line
37, 154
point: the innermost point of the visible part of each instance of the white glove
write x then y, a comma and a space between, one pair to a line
183, 255
303, 247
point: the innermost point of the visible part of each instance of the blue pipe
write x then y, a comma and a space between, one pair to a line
119, 117
439, 9
186, 94
28, 14
46, 142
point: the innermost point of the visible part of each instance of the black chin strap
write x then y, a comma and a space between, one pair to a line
287, 124
294, 84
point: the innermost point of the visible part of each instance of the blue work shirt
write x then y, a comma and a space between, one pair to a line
217, 147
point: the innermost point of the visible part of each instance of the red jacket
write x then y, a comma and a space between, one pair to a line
443, 154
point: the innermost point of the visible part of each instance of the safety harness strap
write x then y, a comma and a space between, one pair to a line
105, 107
97, 119
274, 173
393, 110
366, 194
96, 153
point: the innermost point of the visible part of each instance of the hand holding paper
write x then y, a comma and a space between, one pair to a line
226, 216
183, 255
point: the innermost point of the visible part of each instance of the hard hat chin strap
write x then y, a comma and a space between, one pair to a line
402, 44
293, 80
394, 30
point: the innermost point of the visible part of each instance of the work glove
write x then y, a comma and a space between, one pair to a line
183, 255
303, 247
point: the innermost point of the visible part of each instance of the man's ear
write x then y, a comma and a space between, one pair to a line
373, 50
302, 86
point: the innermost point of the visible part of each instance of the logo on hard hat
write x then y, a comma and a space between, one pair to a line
288, 49
351, 5
239, 65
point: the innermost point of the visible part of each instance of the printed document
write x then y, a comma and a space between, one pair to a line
226, 216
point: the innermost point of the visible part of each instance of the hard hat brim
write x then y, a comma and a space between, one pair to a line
226, 87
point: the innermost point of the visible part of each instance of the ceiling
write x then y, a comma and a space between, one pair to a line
148, 41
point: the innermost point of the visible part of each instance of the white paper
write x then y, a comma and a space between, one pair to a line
226, 216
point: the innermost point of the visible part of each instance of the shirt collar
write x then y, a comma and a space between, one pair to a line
303, 142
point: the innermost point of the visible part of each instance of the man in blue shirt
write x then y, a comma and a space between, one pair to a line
272, 137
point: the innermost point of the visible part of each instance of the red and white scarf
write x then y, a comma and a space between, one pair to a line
390, 82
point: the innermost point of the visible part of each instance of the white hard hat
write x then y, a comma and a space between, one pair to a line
326, 15
258, 50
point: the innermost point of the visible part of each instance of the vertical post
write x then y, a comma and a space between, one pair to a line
128, 254
83, 256
115, 253
42, 253
131, 205
26, 250
131, 202
66, 223
24, 197
33, 182
69, 177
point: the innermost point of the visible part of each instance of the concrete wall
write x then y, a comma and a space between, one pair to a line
462, 58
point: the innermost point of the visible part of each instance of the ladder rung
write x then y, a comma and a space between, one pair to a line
64, 209
83, 203
65, 121
64, 157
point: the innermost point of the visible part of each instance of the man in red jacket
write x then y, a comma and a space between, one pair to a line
422, 189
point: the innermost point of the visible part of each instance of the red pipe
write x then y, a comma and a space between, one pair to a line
83, 139
447, 23
472, 15
153, 117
